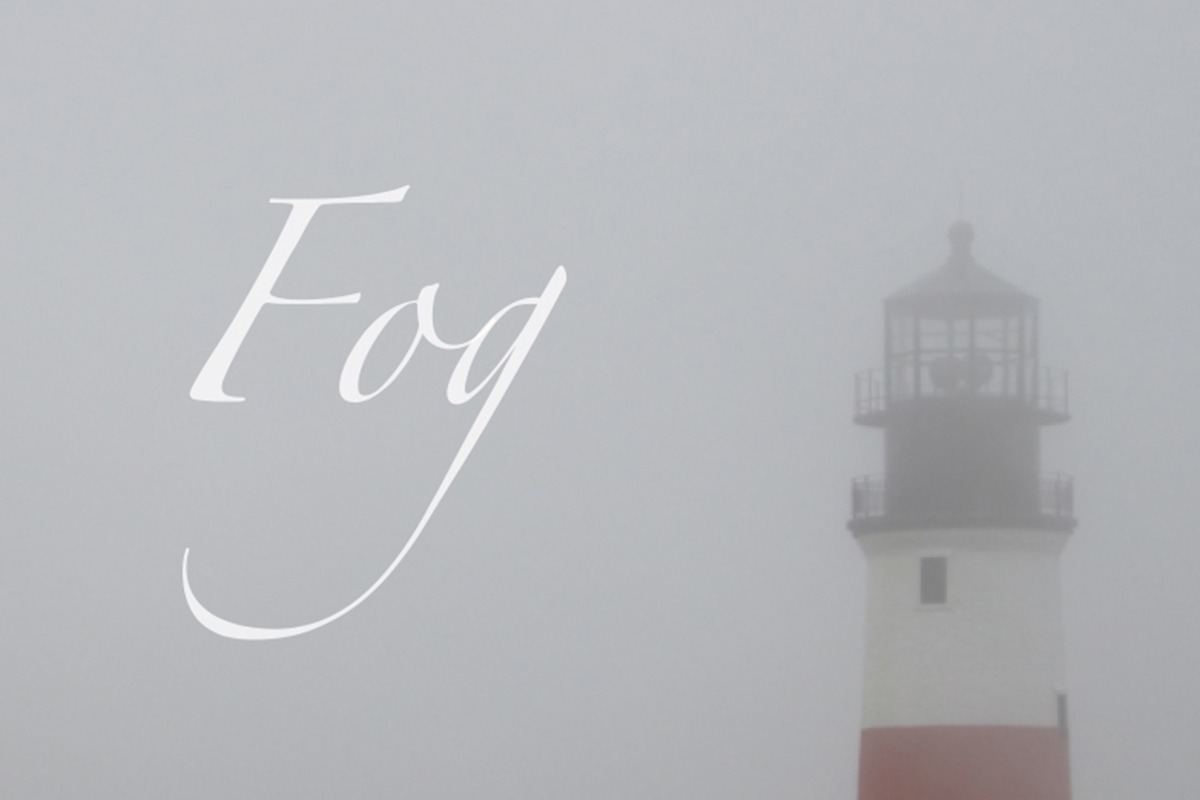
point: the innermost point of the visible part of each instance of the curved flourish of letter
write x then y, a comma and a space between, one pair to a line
511, 363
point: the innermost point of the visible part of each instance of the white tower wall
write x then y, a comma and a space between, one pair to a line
992, 654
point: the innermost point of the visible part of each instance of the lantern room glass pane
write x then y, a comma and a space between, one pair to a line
971, 352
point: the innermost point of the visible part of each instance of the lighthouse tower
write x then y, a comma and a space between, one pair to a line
964, 695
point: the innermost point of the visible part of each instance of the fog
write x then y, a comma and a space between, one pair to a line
641, 583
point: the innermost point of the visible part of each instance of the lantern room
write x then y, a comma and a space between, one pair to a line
961, 331
961, 397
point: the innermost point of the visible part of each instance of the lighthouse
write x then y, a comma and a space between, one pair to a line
964, 693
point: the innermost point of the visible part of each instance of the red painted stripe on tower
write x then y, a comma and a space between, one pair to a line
977, 762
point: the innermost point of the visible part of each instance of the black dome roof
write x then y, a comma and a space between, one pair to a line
961, 281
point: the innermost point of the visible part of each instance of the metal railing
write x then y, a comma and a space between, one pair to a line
1056, 496
870, 393
867, 493
1053, 390
1046, 390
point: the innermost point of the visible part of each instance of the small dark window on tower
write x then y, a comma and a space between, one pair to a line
1062, 713
933, 580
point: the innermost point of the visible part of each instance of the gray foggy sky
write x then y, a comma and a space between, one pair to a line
641, 584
